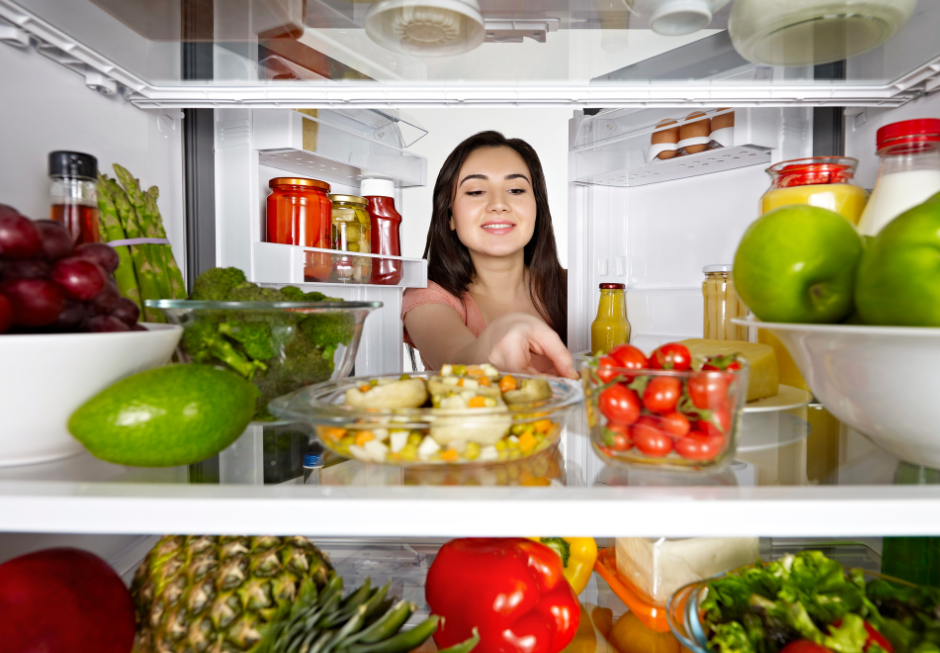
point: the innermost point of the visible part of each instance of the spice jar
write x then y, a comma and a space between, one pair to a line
351, 232
823, 181
74, 194
721, 305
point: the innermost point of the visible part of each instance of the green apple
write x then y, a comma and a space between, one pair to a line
899, 277
797, 264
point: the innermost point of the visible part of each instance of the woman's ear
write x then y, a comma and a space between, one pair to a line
451, 223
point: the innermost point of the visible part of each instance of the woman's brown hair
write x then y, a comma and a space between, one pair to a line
449, 262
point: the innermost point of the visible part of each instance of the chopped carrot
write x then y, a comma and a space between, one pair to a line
334, 432
365, 387
364, 436
477, 402
476, 371
543, 426
484, 381
450, 455
527, 442
460, 383
508, 383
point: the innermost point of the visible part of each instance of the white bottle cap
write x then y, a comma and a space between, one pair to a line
721, 267
377, 188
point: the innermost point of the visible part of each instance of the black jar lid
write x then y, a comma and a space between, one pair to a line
72, 164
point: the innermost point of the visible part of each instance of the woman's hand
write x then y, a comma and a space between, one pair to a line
510, 341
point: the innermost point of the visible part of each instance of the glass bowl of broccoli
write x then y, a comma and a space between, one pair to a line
279, 339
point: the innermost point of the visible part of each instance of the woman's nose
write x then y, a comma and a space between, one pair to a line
497, 204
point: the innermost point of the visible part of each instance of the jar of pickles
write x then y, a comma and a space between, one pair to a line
721, 305
351, 231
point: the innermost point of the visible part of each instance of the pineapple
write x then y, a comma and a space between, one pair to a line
260, 595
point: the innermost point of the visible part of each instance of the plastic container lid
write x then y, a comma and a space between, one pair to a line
72, 164
298, 181
313, 460
377, 188
718, 267
813, 171
908, 132
612, 286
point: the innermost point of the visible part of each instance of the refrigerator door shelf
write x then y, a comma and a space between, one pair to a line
289, 264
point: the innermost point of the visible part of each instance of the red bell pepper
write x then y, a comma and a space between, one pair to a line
512, 589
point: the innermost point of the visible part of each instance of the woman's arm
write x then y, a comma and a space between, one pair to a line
508, 342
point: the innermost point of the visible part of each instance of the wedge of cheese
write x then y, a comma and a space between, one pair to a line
657, 567
764, 376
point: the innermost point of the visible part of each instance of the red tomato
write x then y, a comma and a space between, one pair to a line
720, 423
874, 637
622, 439
671, 356
620, 404
698, 446
804, 646
604, 373
629, 357
662, 394
708, 390
649, 438
675, 424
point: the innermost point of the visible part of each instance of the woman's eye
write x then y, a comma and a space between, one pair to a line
517, 191
474, 193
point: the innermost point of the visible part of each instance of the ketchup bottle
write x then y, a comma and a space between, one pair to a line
386, 230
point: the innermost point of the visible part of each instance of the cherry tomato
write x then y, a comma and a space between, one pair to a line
671, 356
604, 371
649, 438
727, 363
622, 439
630, 358
675, 424
874, 637
699, 446
708, 390
620, 404
804, 646
720, 423
662, 394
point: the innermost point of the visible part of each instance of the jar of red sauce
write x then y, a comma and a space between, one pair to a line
298, 212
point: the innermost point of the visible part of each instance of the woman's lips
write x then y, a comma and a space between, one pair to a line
498, 228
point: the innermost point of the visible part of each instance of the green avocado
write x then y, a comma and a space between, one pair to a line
175, 415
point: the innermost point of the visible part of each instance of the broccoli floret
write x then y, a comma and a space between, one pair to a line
327, 330
217, 283
204, 343
293, 294
255, 337
254, 293
302, 364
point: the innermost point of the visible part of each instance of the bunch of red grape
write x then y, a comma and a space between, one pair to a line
47, 285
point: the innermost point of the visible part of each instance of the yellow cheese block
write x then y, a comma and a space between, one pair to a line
763, 377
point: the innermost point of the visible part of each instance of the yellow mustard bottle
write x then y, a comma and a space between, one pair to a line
611, 327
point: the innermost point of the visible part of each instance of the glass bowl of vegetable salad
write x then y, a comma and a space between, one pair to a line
461, 415
279, 346
662, 411
804, 602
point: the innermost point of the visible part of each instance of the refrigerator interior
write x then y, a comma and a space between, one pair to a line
654, 237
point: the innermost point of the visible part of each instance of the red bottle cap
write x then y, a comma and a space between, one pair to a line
612, 286
812, 171
908, 136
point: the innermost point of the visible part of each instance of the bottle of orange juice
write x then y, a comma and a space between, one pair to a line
611, 327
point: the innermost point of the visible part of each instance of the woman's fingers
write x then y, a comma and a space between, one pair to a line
550, 345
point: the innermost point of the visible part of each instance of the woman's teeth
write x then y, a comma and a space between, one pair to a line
502, 225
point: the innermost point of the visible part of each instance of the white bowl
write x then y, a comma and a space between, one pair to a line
44, 378
881, 381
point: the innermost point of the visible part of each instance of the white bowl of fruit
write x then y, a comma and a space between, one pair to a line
65, 335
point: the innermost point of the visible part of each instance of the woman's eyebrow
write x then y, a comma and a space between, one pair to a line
475, 176
518, 175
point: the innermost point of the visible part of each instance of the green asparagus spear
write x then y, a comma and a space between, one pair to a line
177, 285
149, 288
153, 252
111, 230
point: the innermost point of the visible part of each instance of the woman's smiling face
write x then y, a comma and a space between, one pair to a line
494, 207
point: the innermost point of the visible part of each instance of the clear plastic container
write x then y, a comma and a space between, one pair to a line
722, 305
645, 441
908, 171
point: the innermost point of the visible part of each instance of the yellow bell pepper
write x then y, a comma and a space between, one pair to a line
578, 555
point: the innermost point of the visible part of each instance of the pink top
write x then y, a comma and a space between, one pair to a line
466, 308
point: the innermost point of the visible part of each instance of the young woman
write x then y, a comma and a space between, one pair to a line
496, 292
